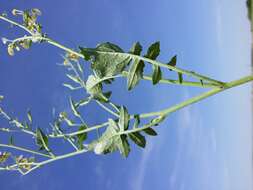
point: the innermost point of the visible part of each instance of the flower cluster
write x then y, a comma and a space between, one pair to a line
24, 163
4, 156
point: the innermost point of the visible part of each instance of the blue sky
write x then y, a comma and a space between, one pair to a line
204, 146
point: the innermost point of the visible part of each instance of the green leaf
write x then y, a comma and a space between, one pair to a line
156, 121
11, 140
94, 88
110, 141
136, 121
88, 53
173, 61
41, 139
136, 49
153, 51
73, 78
157, 74
135, 73
29, 115
123, 145
123, 119
73, 108
180, 77
1, 98
107, 59
93, 85
150, 131
81, 137
202, 83
107, 94
138, 139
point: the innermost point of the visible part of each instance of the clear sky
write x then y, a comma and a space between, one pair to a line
204, 146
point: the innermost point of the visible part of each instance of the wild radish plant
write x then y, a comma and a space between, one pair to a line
108, 62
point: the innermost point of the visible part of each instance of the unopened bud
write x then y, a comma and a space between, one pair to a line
5, 40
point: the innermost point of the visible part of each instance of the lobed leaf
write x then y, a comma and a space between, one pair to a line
180, 77
138, 139
157, 74
173, 61
153, 52
135, 73
123, 119
136, 121
41, 139
136, 49
81, 137
150, 131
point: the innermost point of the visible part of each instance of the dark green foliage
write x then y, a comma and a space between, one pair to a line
153, 52
136, 49
157, 74
81, 137
173, 61
138, 139
150, 131
124, 119
135, 73
180, 77
41, 139
136, 121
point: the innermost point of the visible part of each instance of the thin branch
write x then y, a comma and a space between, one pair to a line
25, 150
40, 164
107, 109
16, 24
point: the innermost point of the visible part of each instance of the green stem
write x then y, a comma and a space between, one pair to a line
25, 150
190, 101
16, 24
107, 109
22, 128
69, 139
170, 109
57, 158
81, 131
177, 82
